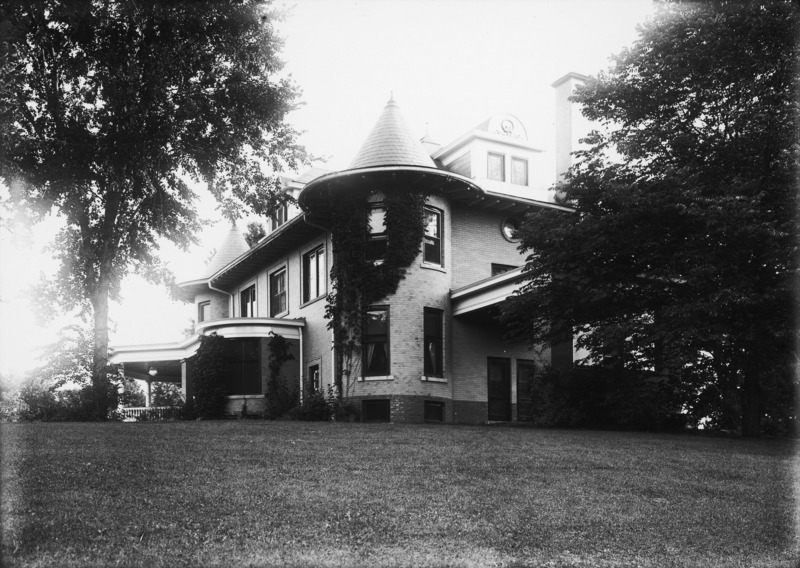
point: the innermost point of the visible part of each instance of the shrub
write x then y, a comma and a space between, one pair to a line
597, 397
209, 378
39, 402
327, 406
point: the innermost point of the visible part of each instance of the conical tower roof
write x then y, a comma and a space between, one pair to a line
390, 157
233, 246
391, 143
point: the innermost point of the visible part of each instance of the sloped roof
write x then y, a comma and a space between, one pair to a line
232, 247
391, 143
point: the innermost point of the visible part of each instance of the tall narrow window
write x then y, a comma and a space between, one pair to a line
433, 237
375, 342
247, 298
376, 233
277, 292
279, 217
519, 171
496, 167
313, 274
434, 342
313, 379
203, 312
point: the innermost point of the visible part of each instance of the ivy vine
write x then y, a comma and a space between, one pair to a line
358, 282
278, 399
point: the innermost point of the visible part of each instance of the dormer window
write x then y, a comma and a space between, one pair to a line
376, 232
519, 171
496, 167
279, 217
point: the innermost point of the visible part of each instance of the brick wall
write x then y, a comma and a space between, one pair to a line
477, 243
219, 304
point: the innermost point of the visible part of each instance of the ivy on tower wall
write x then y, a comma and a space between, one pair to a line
358, 282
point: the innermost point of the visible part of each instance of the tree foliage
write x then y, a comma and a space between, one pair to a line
109, 108
681, 252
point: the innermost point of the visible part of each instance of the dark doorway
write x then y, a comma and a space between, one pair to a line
525, 371
499, 370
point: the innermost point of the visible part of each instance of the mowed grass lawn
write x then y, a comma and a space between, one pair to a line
253, 493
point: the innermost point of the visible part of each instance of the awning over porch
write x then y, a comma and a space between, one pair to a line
485, 293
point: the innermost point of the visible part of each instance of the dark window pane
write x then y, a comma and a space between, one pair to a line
375, 342
248, 302
432, 239
434, 411
277, 293
434, 343
244, 366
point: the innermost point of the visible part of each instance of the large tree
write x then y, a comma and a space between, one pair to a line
681, 252
109, 107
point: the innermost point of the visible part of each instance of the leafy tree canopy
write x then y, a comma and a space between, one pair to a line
681, 252
108, 107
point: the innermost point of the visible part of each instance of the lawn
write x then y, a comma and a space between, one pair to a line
253, 493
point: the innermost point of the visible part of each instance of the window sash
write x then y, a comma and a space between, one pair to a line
203, 311
433, 330
313, 274
432, 247
247, 298
279, 217
277, 292
375, 343
519, 171
496, 167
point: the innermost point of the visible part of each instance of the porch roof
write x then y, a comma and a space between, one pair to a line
166, 357
485, 293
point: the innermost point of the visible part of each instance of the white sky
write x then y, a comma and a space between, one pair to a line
450, 64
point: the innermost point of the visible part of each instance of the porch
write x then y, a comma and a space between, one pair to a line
247, 369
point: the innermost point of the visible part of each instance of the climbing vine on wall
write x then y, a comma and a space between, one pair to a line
278, 398
358, 282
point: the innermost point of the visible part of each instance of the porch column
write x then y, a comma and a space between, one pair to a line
147, 395
186, 380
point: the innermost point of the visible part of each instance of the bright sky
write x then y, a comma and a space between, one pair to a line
450, 64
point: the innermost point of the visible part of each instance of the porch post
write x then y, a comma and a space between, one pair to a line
147, 395
186, 380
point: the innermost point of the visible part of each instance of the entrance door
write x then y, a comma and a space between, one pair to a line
499, 388
525, 370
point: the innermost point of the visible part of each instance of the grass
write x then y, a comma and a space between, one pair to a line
252, 493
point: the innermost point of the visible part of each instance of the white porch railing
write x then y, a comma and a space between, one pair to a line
152, 412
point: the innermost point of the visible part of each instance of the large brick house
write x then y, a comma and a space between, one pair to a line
430, 351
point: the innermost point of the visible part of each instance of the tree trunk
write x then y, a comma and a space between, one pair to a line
100, 354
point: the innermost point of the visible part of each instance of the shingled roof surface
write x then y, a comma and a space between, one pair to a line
391, 143
232, 247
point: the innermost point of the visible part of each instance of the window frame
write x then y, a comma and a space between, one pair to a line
489, 156
271, 293
252, 302
440, 226
320, 279
527, 170
201, 310
376, 241
365, 340
429, 365
279, 217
